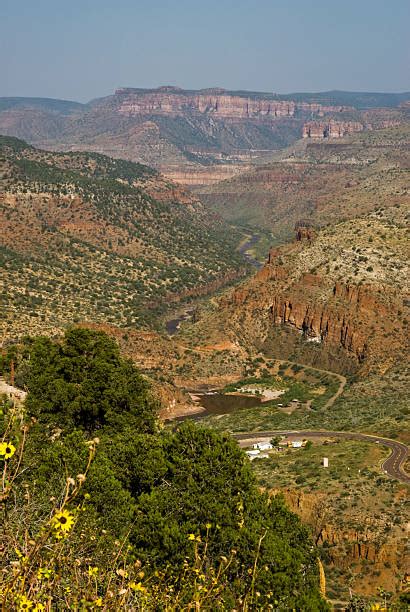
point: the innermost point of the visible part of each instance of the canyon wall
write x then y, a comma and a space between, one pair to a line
288, 308
206, 175
172, 101
355, 545
330, 129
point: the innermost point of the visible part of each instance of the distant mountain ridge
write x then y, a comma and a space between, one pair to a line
51, 104
179, 131
360, 100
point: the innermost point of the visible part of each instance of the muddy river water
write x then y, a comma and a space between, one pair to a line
218, 403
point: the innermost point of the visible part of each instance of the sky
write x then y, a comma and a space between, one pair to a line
83, 49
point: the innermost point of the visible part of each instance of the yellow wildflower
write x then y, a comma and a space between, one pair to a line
137, 586
24, 603
191, 536
98, 602
208, 525
44, 573
7, 449
62, 521
38, 607
92, 571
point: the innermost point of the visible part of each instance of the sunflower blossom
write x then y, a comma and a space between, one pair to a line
7, 449
138, 587
63, 521
44, 573
25, 603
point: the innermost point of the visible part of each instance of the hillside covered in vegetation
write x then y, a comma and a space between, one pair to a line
85, 237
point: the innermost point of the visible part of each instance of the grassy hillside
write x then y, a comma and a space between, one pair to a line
87, 237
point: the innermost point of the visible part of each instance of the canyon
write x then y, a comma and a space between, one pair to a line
334, 293
197, 137
127, 241
317, 180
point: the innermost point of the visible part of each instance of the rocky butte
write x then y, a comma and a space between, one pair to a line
331, 129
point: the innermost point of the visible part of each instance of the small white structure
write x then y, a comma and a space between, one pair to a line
253, 453
262, 446
297, 444
262, 456
325, 462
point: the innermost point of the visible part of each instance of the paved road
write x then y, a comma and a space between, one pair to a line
393, 465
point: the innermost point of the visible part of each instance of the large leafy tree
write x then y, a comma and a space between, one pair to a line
84, 382
209, 490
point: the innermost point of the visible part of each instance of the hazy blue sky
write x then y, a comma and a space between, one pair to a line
81, 49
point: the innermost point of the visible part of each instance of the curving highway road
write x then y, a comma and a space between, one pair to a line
393, 465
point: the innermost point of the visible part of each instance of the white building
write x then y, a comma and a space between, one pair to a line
253, 453
262, 446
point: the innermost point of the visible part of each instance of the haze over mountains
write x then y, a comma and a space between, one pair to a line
195, 136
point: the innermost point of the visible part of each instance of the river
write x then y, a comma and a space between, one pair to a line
172, 325
218, 403
252, 240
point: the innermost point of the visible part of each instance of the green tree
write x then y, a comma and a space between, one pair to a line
209, 482
84, 382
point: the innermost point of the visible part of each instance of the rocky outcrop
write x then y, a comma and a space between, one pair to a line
218, 103
208, 175
304, 232
293, 306
319, 324
330, 129
346, 545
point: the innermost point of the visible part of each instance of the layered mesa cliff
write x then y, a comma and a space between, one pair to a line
339, 299
331, 129
378, 119
216, 102
183, 132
